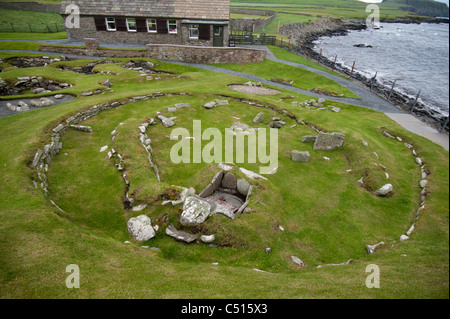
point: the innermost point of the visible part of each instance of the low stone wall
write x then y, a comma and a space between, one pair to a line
205, 55
32, 6
110, 53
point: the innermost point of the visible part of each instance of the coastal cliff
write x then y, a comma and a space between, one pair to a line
422, 7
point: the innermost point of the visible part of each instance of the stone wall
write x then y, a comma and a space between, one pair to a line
111, 53
251, 24
203, 55
88, 30
179, 53
32, 6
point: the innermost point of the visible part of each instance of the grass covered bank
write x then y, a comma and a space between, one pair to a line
327, 216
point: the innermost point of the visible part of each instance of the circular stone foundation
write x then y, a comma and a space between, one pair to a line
259, 90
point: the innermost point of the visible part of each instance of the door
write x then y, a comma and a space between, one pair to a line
218, 36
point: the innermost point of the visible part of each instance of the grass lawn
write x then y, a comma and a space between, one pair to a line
32, 36
327, 216
23, 20
299, 78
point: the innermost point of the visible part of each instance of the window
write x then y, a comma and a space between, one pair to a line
193, 31
131, 25
110, 24
151, 25
172, 25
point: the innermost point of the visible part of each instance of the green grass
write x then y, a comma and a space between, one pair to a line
32, 36
327, 216
23, 20
292, 57
280, 72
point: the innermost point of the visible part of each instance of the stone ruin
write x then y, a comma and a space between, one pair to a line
225, 195
142, 66
32, 62
87, 69
36, 84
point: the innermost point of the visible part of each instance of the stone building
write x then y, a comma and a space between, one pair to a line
181, 22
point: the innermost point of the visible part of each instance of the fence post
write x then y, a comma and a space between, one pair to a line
12, 27
392, 90
415, 102
334, 63
443, 127
373, 81
353, 67
29, 26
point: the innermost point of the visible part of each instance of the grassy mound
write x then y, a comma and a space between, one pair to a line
327, 216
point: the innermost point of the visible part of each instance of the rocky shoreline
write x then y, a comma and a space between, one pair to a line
303, 37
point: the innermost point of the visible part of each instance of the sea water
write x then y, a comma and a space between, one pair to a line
415, 55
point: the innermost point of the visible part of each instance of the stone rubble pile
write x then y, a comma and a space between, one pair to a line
36, 84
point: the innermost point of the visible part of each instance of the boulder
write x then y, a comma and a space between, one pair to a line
107, 83
328, 141
243, 186
207, 239
140, 228
259, 118
385, 190
277, 124
195, 211
43, 102
180, 235
423, 183
53, 87
298, 156
229, 181
209, 105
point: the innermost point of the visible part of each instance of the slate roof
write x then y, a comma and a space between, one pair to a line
188, 9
